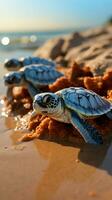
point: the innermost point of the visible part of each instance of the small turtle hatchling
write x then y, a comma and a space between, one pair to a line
73, 105
15, 64
32, 77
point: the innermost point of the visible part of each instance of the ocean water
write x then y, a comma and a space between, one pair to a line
21, 44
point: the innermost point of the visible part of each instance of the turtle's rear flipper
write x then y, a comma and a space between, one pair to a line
109, 114
32, 90
88, 132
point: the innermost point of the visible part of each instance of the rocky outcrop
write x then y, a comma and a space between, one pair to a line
51, 49
92, 48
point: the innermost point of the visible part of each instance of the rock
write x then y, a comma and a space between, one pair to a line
96, 54
51, 49
95, 32
91, 47
59, 46
61, 61
71, 41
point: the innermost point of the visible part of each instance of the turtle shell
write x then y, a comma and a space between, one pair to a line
85, 102
38, 61
41, 75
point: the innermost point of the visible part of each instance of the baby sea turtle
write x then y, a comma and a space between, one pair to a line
73, 105
32, 77
15, 64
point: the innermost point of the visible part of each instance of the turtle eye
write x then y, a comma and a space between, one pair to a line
11, 62
46, 99
13, 78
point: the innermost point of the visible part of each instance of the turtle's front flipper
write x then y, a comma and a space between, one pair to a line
32, 90
10, 93
109, 114
33, 114
89, 133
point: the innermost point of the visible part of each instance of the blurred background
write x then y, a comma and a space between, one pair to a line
25, 25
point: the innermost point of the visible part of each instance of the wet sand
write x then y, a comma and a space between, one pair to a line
49, 171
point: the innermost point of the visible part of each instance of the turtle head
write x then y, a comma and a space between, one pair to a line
13, 79
47, 103
12, 64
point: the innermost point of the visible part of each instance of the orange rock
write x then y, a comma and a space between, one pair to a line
109, 95
107, 80
20, 92
78, 71
95, 84
60, 83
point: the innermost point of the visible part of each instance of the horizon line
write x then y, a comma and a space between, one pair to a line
48, 30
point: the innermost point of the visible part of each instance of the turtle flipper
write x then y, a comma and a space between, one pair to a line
88, 132
10, 93
33, 114
32, 90
109, 114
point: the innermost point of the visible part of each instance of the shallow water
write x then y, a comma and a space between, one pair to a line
49, 171
28, 40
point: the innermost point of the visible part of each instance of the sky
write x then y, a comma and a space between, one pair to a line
36, 15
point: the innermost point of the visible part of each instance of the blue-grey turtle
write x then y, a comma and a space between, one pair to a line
32, 77
15, 64
73, 105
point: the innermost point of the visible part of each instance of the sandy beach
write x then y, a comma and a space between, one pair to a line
63, 151
46, 170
